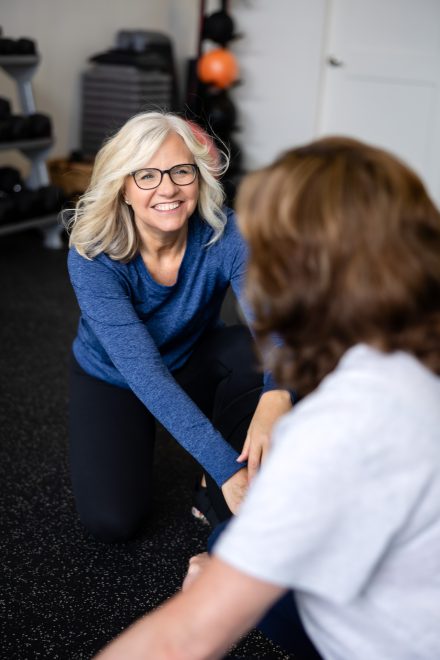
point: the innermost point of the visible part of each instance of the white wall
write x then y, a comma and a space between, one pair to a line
279, 57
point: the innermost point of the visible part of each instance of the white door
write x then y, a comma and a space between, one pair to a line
382, 79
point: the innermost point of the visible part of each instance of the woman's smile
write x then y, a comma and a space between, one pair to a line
167, 207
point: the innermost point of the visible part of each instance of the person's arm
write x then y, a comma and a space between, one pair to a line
271, 406
105, 302
202, 622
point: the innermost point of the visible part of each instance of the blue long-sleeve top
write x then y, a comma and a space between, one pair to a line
134, 332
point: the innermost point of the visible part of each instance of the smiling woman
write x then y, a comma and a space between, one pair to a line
153, 251
162, 200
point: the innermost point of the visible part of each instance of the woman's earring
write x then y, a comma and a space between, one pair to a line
127, 202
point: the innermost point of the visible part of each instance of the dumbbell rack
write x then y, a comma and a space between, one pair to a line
22, 69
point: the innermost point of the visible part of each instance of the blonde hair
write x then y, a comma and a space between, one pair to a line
102, 222
344, 248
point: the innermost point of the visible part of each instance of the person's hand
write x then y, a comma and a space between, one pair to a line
234, 489
270, 407
196, 566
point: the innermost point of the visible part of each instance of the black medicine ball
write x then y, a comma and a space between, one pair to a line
220, 112
218, 27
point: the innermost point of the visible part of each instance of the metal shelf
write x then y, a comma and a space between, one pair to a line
22, 69
32, 223
19, 60
27, 145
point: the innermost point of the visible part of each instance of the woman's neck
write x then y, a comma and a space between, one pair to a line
163, 255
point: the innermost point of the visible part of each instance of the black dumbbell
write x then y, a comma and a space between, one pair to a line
18, 127
4, 130
25, 46
50, 199
13, 128
5, 108
7, 46
220, 112
21, 127
38, 125
26, 204
22, 46
10, 180
7, 209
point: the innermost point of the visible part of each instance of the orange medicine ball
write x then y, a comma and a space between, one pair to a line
218, 67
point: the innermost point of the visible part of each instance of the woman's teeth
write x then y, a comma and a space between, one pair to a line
167, 207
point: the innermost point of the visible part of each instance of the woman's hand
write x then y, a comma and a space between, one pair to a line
234, 489
270, 407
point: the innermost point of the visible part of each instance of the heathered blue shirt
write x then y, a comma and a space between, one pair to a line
134, 332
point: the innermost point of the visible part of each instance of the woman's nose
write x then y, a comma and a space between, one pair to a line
167, 185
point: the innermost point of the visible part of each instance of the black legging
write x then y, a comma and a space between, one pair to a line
112, 433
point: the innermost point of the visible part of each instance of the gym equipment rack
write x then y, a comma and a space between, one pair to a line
113, 93
22, 68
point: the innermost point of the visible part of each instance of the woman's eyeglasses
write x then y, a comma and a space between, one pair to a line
151, 177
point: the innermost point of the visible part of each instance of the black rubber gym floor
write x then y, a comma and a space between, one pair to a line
62, 593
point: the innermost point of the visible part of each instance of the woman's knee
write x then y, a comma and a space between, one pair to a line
113, 527
236, 341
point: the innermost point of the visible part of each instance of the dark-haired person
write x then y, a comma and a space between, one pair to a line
343, 520
153, 251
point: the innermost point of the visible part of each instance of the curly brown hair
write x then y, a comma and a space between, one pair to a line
344, 248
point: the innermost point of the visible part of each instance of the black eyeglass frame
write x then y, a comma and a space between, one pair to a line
162, 172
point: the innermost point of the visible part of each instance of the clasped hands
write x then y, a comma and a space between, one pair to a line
270, 407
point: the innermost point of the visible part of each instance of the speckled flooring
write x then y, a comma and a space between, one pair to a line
63, 595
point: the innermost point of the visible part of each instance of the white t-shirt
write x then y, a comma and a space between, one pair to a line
346, 510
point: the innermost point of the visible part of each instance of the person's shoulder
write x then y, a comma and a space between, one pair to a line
101, 267
231, 221
367, 394
231, 235
202, 226
77, 262
349, 390
394, 375
101, 259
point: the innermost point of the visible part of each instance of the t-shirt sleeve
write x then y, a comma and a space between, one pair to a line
105, 303
315, 519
